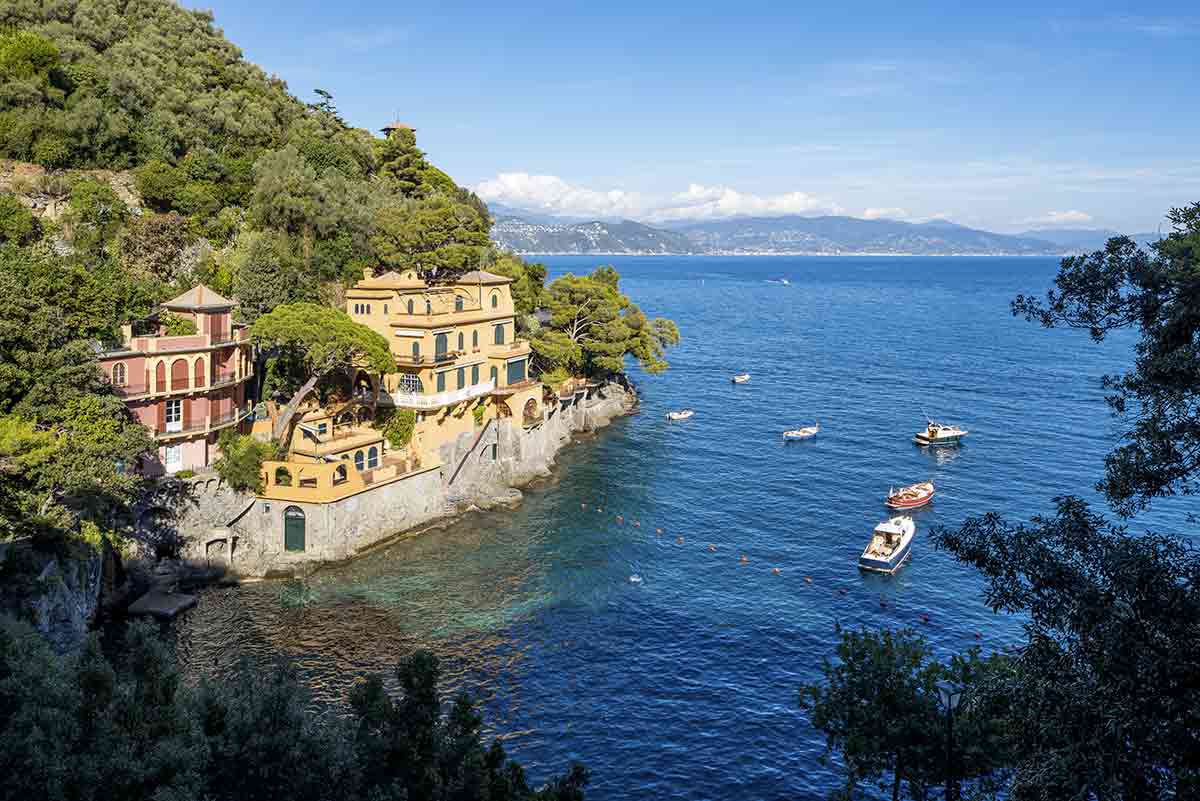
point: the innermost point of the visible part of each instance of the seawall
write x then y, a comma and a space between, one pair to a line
218, 528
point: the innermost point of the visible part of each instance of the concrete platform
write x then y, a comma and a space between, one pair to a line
162, 605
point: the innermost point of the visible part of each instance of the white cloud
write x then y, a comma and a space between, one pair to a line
1072, 217
885, 213
551, 194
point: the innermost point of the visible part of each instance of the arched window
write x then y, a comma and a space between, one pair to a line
495, 299
461, 342
339, 474
283, 476
428, 306
475, 339
293, 529
160, 377
118, 375
373, 457
410, 305
358, 460
500, 335
458, 303
179, 374
417, 351
198, 373
474, 374
440, 346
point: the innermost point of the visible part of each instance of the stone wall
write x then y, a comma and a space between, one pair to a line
479, 469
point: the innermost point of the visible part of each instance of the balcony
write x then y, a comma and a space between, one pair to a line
203, 426
427, 359
418, 400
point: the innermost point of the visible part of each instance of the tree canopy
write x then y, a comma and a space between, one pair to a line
593, 328
320, 340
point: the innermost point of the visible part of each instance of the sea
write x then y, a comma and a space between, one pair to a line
653, 609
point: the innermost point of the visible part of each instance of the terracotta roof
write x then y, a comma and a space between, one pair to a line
390, 280
483, 277
199, 298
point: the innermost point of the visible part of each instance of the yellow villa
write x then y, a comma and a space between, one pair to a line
459, 365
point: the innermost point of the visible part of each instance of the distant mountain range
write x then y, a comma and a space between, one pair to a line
546, 235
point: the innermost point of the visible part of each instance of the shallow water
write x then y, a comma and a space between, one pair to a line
684, 685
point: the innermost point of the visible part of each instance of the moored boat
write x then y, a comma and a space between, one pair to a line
807, 432
741, 378
911, 497
682, 414
890, 545
940, 434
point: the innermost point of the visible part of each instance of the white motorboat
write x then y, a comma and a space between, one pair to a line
741, 378
890, 545
682, 414
808, 432
940, 434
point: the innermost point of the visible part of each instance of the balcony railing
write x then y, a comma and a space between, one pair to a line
204, 424
418, 400
425, 358
130, 389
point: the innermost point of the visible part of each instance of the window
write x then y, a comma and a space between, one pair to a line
441, 382
411, 383
339, 474
416, 351
385, 308
493, 375
475, 339
174, 415
474, 374
462, 377
440, 345
356, 311
410, 305
283, 476
458, 303
322, 428
500, 334
118, 375
494, 450
373, 457
173, 457
495, 299
428, 306
461, 345
516, 371
293, 529
358, 460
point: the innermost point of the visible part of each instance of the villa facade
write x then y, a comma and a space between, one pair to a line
184, 388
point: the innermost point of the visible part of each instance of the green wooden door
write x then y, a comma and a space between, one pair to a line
293, 529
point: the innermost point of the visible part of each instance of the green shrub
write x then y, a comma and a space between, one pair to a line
478, 413
397, 426
177, 325
52, 151
185, 474
17, 223
240, 463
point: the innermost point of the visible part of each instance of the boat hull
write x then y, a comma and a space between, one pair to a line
896, 503
889, 565
922, 439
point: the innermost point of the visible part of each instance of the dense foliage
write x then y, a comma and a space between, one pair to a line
84, 728
397, 426
240, 462
593, 328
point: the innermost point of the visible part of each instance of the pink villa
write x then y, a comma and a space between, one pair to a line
185, 389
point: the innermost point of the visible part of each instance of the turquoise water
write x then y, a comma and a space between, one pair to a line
684, 685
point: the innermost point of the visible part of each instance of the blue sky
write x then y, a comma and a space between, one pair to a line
1006, 116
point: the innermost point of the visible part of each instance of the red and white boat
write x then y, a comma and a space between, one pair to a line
910, 497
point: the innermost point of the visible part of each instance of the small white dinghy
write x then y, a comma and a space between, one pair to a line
682, 414
808, 432
890, 545
741, 378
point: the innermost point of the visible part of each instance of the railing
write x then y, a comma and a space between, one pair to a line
221, 338
204, 424
417, 400
425, 358
129, 390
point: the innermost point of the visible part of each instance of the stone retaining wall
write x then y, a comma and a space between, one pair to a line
219, 527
